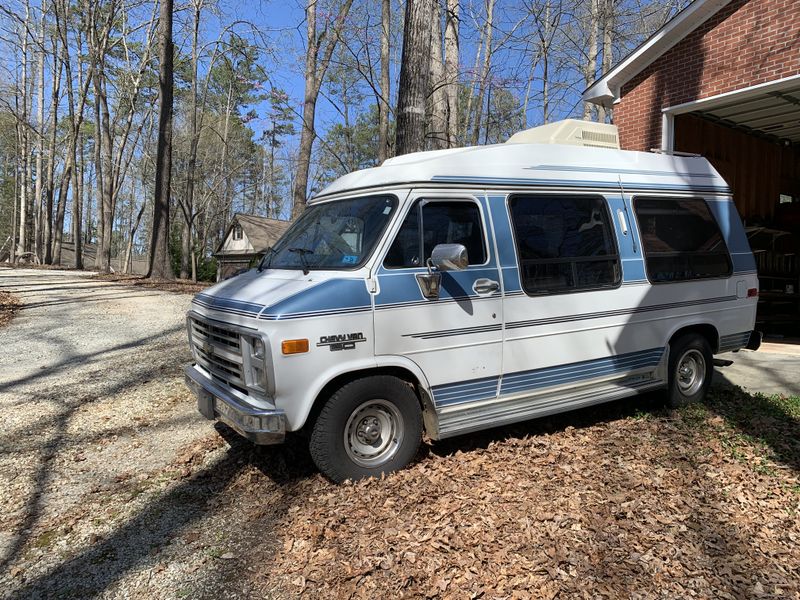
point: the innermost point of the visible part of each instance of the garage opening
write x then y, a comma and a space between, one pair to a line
753, 139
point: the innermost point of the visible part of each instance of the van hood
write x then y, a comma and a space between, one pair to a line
280, 294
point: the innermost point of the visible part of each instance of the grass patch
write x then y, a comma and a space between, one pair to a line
760, 431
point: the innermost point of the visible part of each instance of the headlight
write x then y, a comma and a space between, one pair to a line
258, 348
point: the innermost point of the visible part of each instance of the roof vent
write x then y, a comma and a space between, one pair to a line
572, 132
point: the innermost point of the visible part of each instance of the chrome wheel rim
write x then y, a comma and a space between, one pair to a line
691, 372
373, 433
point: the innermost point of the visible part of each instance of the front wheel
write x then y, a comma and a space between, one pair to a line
690, 370
368, 427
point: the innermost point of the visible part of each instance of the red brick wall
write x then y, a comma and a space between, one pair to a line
746, 43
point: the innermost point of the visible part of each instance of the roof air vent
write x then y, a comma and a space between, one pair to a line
572, 132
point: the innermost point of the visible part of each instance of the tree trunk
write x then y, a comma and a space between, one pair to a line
437, 122
98, 189
414, 77
484, 76
160, 264
451, 69
40, 143
314, 73
383, 104
590, 68
188, 208
23, 140
51, 160
604, 114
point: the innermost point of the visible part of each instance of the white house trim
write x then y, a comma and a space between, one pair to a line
606, 90
748, 93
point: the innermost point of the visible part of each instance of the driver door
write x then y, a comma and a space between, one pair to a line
456, 338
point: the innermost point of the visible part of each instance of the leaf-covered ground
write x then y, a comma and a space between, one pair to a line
9, 304
622, 500
702, 502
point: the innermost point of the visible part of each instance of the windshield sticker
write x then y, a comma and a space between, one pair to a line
349, 259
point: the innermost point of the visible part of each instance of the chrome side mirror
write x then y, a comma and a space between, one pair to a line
445, 257
449, 257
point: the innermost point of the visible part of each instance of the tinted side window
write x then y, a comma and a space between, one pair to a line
681, 240
564, 243
433, 223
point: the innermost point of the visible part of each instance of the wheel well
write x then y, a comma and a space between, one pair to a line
707, 331
345, 378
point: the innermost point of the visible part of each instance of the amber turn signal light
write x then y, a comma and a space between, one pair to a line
294, 346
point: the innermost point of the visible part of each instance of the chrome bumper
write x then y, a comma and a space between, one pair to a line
257, 424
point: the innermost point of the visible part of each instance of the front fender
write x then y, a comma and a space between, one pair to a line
363, 367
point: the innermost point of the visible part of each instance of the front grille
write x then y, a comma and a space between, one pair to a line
218, 351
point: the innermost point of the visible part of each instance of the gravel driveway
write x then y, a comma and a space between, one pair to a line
93, 404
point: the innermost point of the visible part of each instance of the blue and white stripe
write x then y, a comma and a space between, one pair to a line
476, 390
464, 391
535, 379
733, 341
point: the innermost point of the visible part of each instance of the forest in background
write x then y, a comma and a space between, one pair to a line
271, 103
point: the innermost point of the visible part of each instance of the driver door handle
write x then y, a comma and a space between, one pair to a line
485, 286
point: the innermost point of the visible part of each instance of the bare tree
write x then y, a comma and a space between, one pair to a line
321, 45
483, 79
437, 107
414, 77
383, 102
160, 265
451, 69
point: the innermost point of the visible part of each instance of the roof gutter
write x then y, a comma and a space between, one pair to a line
607, 90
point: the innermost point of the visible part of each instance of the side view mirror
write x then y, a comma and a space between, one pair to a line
449, 257
445, 257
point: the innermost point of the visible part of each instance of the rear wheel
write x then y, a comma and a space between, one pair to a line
368, 427
690, 370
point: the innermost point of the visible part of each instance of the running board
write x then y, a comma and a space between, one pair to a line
503, 411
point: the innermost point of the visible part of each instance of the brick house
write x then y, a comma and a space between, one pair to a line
722, 79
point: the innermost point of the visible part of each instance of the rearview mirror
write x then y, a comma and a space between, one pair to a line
449, 257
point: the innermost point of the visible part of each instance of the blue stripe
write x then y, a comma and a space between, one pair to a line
228, 304
475, 390
332, 297
553, 376
621, 171
733, 233
611, 185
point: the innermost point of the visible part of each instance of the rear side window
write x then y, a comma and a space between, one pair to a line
681, 240
442, 222
564, 243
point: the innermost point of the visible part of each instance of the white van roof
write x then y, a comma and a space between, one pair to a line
551, 165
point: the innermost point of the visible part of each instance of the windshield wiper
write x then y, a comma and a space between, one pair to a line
303, 252
269, 253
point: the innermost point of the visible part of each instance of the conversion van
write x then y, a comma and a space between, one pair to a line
451, 291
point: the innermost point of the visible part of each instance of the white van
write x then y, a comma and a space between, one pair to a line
450, 291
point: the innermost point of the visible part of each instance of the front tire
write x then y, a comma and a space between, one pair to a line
368, 427
690, 370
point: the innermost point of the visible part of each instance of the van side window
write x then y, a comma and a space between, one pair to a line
681, 240
564, 243
441, 222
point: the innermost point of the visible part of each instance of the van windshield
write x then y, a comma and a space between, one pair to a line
333, 235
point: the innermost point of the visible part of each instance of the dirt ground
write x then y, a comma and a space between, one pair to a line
113, 487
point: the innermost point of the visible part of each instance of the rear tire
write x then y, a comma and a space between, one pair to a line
368, 427
690, 370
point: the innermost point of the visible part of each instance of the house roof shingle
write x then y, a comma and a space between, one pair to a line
260, 231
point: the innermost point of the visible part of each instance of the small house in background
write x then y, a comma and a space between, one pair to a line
245, 242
